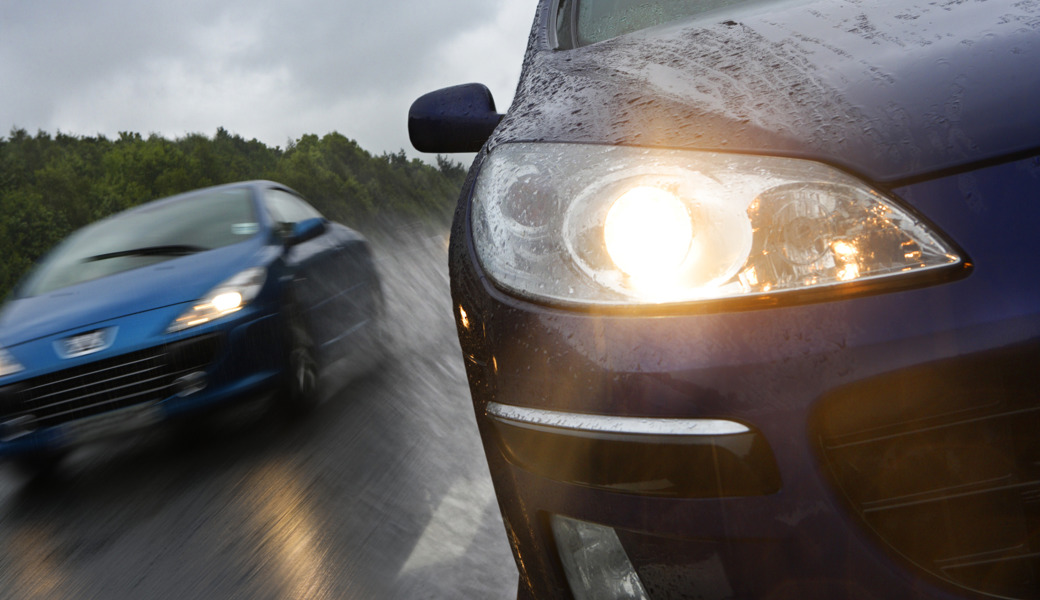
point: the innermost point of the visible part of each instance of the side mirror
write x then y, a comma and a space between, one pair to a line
307, 229
454, 119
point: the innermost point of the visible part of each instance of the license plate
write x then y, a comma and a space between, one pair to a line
112, 423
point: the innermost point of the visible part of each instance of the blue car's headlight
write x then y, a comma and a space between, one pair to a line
612, 225
8, 364
228, 297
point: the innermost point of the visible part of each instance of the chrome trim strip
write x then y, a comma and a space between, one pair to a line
612, 425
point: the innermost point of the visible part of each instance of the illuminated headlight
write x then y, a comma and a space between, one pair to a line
8, 364
617, 225
228, 297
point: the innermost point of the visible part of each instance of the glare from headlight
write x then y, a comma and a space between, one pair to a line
613, 225
227, 298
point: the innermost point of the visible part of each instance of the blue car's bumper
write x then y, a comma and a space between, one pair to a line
144, 378
888, 449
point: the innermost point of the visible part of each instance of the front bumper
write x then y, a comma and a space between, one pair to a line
893, 453
136, 385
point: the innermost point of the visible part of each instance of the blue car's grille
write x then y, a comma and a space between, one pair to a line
107, 384
942, 462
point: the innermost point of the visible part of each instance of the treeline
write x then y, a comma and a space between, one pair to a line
52, 185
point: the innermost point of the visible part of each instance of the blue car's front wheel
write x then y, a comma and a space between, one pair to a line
301, 384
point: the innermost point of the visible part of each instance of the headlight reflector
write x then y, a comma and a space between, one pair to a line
228, 297
615, 225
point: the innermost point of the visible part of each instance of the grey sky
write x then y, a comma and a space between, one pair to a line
259, 68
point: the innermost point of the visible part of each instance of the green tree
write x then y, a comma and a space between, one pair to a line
51, 185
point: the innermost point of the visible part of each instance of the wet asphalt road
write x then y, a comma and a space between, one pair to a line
382, 492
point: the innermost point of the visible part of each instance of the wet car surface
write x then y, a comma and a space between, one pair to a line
824, 388
180, 306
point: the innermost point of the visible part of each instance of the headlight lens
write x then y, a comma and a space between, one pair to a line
228, 297
8, 364
617, 225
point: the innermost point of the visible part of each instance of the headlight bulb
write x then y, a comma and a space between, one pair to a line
648, 233
672, 239
227, 302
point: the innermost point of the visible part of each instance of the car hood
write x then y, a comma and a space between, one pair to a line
167, 283
889, 89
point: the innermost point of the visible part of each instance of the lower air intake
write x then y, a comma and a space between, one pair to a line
942, 464
107, 384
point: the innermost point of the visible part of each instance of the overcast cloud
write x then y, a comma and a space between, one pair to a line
260, 68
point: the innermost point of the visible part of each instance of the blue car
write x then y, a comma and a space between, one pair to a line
179, 306
749, 300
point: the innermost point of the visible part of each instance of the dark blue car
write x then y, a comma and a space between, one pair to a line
749, 298
179, 306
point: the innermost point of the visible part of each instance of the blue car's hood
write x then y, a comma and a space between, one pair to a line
892, 89
171, 282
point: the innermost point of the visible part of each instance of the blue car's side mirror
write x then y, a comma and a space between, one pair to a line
306, 229
454, 119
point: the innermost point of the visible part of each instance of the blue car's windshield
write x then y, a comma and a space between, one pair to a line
144, 236
582, 22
